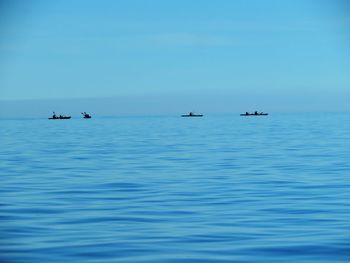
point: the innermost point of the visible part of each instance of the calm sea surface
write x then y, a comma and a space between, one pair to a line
171, 189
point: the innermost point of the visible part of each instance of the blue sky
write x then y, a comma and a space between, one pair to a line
221, 55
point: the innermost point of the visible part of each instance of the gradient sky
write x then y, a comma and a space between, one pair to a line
221, 55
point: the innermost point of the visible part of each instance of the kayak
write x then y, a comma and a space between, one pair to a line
60, 118
86, 115
260, 114
192, 115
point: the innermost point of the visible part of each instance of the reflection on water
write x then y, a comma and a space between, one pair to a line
170, 189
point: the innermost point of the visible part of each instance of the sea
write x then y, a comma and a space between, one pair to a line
221, 188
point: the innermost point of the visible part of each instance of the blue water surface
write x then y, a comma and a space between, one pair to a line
171, 189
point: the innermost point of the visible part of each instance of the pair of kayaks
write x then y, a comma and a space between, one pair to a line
61, 117
191, 114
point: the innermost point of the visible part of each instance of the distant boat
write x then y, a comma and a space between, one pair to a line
86, 115
60, 117
191, 114
254, 114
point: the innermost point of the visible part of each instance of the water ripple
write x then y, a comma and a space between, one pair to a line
217, 189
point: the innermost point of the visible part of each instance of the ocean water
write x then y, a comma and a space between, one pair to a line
170, 189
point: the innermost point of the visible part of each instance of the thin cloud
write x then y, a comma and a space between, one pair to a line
191, 39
